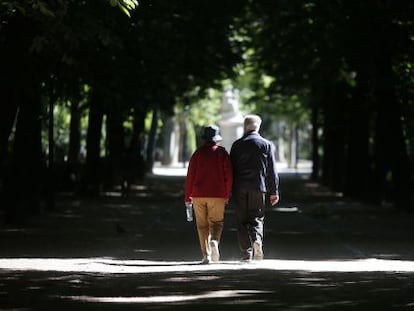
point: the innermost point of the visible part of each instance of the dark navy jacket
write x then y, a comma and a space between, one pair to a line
254, 165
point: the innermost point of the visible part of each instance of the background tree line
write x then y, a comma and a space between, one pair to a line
346, 64
351, 62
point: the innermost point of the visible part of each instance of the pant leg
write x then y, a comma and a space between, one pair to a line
256, 208
250, 218
215, 211
200, 212
240, 199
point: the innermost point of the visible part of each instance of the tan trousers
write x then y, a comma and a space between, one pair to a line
209, 214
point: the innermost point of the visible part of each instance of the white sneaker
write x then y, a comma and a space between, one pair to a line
206, 260
215, 254
257, 251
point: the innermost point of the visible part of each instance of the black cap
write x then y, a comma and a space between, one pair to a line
211, 133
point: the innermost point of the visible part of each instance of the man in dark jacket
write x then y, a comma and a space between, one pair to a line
255, 176
208, 187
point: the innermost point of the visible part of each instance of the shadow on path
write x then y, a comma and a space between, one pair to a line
322, 252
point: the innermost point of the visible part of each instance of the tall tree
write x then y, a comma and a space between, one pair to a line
347, 54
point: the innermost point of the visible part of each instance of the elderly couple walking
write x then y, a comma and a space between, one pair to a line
247, 174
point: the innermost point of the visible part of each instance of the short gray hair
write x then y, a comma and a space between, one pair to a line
252, 122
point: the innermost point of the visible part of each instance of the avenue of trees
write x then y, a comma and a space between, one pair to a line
85, 85
352, 64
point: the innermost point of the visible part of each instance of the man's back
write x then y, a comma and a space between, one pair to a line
252, 157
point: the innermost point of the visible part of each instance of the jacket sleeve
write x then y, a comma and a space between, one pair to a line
189, 181
228, 174
272, 178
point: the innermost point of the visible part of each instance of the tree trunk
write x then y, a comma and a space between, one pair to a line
334, 138
391, 155
315, 141
51, 174
293, 146
359, 122
136, 146
152, 140
93, 177
170, 140
8, 114
74, 141
116, 147
22, 185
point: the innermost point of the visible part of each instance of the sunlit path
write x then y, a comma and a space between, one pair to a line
304, 167
105, 265
95, 283
321, 253
234, 294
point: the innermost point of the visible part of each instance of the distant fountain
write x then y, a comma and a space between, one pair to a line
231, 122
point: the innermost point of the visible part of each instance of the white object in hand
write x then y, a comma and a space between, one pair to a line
189, 211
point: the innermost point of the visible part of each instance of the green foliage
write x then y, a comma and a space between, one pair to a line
125, 5
205, 109
281, 55
262, 94
53, 9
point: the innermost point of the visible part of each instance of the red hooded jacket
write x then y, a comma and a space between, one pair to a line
209, 173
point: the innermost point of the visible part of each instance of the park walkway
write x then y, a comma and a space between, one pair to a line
136, 252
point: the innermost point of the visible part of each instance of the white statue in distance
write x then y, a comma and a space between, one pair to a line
230, 105
231, 122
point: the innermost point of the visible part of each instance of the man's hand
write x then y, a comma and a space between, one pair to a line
274, 198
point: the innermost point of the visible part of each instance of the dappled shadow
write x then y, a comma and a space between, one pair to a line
309, 223
137, 251
185, 285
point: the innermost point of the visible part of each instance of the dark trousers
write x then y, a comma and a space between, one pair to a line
249, 207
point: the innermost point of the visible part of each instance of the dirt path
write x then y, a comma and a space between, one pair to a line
138, 252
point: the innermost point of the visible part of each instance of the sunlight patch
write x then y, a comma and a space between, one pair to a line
164, 299
108, 265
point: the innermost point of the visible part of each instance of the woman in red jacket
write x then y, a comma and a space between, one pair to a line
207, 187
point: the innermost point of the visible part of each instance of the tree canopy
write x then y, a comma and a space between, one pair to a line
119, 65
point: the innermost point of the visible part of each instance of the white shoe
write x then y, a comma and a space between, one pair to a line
206, 260
257, 251
215, 254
